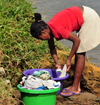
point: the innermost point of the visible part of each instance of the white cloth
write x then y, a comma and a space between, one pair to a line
33, 82
89, 33
51, 84
63, 73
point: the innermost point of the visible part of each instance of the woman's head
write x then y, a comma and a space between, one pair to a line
39, 29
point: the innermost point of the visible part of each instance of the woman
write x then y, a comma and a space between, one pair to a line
86, 22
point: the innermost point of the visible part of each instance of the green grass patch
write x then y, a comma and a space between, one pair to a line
18, 49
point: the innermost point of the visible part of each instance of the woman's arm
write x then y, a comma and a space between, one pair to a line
53, 52
76, 42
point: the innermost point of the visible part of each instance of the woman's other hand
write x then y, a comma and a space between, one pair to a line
68, 63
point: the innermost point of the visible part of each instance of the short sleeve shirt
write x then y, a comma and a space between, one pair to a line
65, 21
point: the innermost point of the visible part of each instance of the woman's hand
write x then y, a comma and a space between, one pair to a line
58, 66
68, 63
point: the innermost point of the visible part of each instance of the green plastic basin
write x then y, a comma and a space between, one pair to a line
38, 97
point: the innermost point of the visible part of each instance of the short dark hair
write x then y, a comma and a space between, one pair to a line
37, 26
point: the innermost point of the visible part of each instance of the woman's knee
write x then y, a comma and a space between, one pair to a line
80, 55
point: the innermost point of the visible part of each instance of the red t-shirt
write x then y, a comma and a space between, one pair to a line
65, 21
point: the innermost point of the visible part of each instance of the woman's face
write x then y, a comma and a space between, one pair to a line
45, 34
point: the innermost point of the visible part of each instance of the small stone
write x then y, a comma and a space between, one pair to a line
8, 82
17, 94
2, 71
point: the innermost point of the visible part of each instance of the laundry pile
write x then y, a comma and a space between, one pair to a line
39, 80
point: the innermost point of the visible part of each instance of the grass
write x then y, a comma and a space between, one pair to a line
18, 49
6, 92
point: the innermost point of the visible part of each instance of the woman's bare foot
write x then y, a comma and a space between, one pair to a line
67, 88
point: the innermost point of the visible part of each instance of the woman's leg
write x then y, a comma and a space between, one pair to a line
74, 74
79, 66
